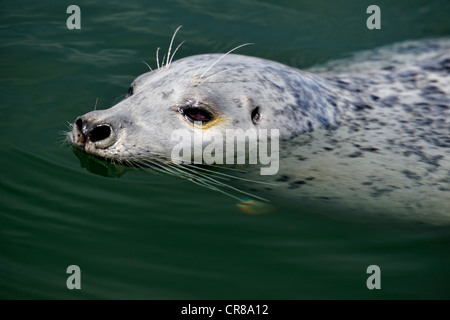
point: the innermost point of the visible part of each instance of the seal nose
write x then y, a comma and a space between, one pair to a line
100, 134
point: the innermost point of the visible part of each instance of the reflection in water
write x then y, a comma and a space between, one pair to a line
99, 166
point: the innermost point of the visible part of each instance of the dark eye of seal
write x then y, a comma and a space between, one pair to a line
193, 114
130, 92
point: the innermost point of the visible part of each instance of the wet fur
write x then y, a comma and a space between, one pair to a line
371, 133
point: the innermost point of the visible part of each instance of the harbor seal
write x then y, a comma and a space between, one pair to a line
369, 137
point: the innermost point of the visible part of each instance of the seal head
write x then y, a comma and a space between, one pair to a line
221, 92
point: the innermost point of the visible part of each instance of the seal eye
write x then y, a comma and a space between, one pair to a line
130, 92
193, 114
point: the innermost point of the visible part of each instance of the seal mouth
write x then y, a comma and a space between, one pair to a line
76, 139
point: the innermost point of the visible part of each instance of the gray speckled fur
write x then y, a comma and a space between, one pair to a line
371, 133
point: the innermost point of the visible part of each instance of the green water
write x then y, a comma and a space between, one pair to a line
148, 236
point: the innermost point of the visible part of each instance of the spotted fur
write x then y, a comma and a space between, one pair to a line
370, 133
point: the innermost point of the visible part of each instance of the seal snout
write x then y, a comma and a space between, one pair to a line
90, 134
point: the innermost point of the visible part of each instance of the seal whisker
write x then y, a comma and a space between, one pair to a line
195, 177
162, 63
227, 168
145, 167
160, 169
189, 172
170, 47
96, 101
153, 165
147, 65
212, 76
200, 68
150, 153
63, 140
173, 55
120, 98
209, 186
63, 133
69, 125
224, 175
228, 176
157, 57
223, 56
225, 185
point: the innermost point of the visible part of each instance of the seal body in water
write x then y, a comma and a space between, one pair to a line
369, 134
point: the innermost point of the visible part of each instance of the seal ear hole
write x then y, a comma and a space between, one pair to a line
256, 115
130, 92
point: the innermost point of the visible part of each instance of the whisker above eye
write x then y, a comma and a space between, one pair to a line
223, 56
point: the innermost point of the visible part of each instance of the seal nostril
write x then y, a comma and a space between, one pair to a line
79, 124
99, 133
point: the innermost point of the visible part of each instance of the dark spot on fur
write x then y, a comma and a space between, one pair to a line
389, 101
355, 154
166, 94
342, 84
380, 191
283, 178
278, 112
369, 149
421, 104
424, 121
332, 102
443, 65
296, 184
432, 90
362, 106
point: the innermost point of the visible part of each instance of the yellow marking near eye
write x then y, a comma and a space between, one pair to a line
212, 123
